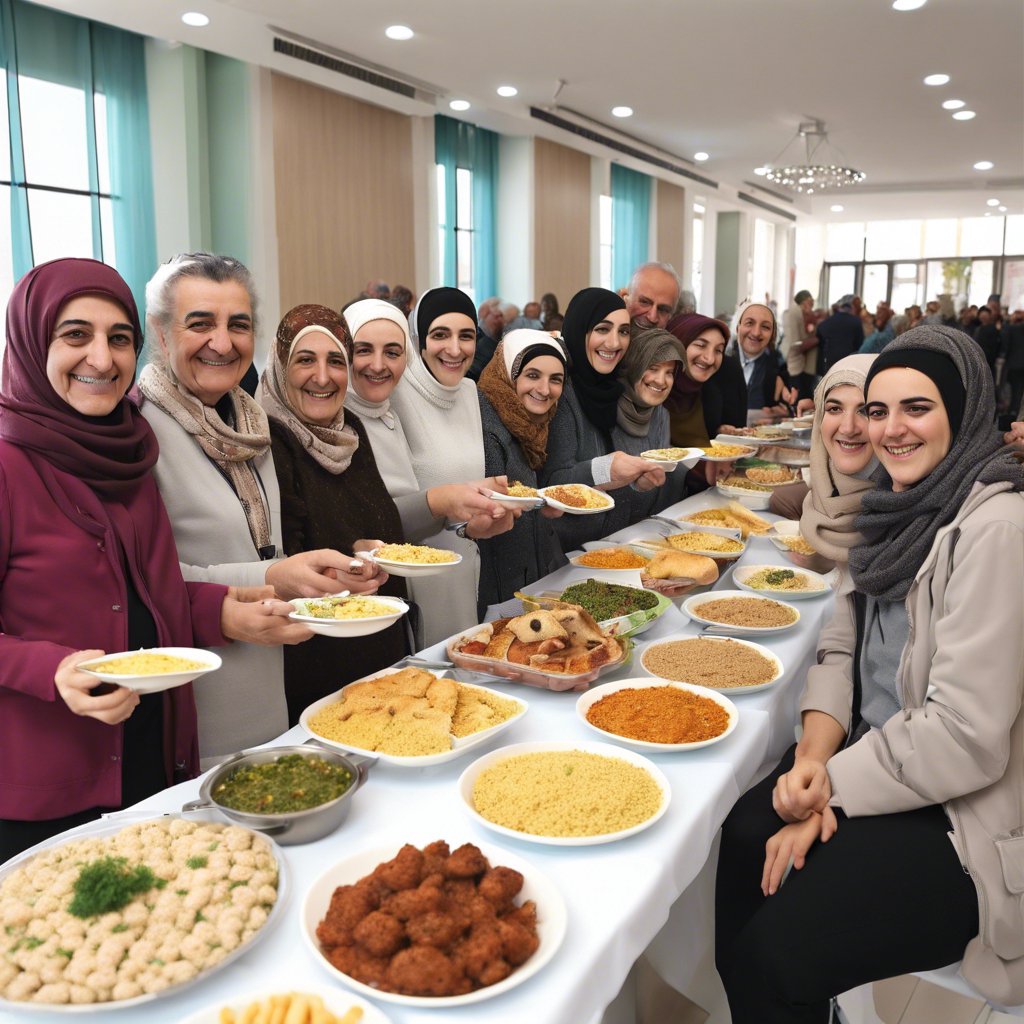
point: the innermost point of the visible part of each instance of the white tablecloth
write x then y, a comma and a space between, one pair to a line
618, 895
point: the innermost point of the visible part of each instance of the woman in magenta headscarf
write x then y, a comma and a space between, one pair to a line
88, 565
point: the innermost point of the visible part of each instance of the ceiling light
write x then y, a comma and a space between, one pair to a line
988, 213
964, 115
821, 170
398, 32
622, 111
507, 90
907, 5
697, 208
760, 171
984, 165
195, 19
837, 207
992, 202
700, 156
1002, 209
953, 104
936, 79
459, 104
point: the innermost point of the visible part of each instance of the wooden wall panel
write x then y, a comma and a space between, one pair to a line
671, 224
344, 194
561, 179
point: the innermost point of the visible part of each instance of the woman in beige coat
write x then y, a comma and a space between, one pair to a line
911, 765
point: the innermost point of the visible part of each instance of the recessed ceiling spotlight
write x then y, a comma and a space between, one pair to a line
964, 115
622, 111
398, 32
702, 156
837, 207
1002, 209
936, 79
459, 104
953, 104
984, 165
907, 5
992, 202
195, 19
760, 171
988, 213
507, 90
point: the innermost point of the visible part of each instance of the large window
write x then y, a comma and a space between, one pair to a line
466, 159
75, 179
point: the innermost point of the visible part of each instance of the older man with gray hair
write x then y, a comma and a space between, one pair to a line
652, 295
800, 345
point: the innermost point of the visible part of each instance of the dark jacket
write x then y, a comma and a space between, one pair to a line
62, 589
839, 336
327, 510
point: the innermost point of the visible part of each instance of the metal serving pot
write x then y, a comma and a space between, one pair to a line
291, 827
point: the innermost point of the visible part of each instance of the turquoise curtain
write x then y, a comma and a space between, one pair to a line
631, 211
39, 42
458, 144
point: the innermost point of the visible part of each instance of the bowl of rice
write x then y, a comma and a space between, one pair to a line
739, 613
357, 615
718, 663
782, 581
152, 670
413, 559
564, 794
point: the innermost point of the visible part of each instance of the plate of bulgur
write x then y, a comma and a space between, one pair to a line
719, 663
564, 794
741, 613
652, 714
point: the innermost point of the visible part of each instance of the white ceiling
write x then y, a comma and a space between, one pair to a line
730, 77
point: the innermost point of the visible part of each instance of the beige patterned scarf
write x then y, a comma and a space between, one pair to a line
231, 448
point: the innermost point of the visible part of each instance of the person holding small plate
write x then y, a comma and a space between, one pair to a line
900, 807
440, 415
216, 474
332, 495
87, 561
581, 450
519, 391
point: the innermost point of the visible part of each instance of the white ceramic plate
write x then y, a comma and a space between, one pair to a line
527, 504
787, 455
691, 607
794, 478
551, 921
720, 531
742, 573
753, 440
156, 682
411, 569
601, 546
348, 627
469, 777
458, 748
731, 690
338, 1003
106, 827
754, 500
748, 450
591, 697
572, 510
688, 456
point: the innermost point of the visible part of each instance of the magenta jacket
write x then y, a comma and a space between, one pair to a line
62, 589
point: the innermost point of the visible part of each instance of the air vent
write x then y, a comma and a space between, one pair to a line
765, 206
342, 67
620, 147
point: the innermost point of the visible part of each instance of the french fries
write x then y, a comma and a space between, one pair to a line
290, 1008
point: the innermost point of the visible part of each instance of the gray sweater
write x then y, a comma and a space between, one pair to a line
530, 549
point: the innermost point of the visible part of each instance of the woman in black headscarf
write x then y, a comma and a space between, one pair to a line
580, 446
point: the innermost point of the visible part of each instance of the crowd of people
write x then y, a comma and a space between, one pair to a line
176, 507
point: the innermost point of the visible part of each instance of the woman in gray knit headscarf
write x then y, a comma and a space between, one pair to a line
903, 797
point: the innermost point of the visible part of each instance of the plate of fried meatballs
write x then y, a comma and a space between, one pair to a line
433, 926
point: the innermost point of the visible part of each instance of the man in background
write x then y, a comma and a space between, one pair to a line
801, 344
839, 335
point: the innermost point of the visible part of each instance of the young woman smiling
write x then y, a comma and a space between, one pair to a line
580, 446
519, 392
900, 807
332, 494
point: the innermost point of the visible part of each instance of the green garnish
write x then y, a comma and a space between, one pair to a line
109, 884
609, 600
120, 927
64, 952
196, 862
777, 576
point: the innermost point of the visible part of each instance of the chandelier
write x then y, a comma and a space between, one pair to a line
820, 171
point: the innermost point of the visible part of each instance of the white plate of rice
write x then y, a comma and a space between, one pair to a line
542, 792
153, 669
412, 560
356, 615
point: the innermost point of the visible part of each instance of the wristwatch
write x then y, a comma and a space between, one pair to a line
459, 529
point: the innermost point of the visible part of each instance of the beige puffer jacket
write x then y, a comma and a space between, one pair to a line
959, 740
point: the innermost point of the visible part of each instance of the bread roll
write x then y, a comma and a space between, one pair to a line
752, 522
671, 564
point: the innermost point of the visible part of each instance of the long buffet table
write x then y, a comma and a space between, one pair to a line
618, 895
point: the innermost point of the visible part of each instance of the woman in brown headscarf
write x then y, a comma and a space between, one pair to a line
332, 494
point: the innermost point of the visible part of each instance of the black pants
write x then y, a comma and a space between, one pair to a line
885, 896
